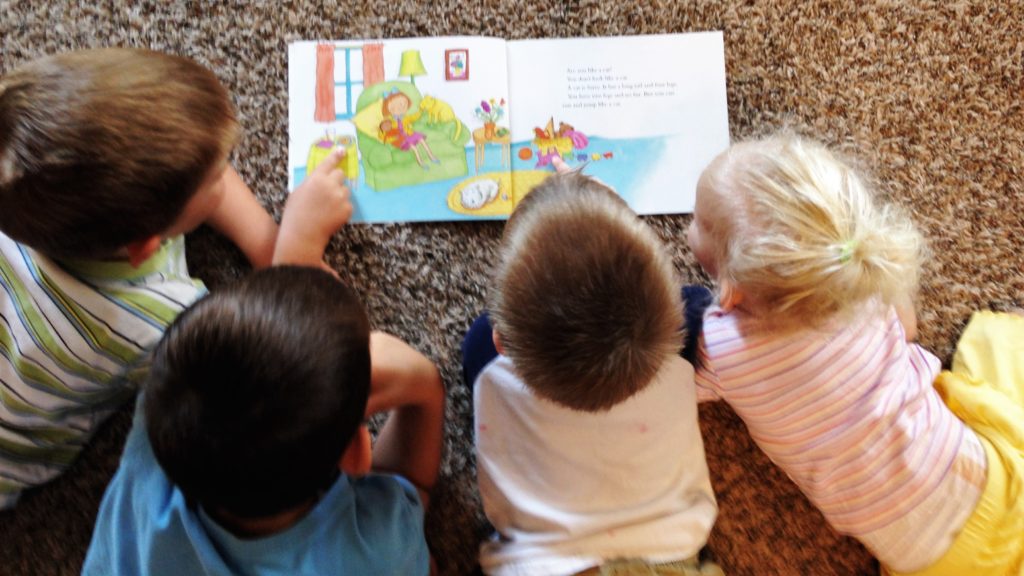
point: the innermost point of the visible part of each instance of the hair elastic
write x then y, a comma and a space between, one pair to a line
846, 251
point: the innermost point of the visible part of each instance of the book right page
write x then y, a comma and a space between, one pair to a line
645, 113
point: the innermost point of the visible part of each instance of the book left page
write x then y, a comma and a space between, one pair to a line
421, 120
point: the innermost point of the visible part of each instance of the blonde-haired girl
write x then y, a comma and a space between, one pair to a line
810, 344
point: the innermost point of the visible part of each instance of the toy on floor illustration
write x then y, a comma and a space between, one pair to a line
551, 143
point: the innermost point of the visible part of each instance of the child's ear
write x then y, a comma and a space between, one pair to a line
729, 296
140, 250
497, 342
358, 457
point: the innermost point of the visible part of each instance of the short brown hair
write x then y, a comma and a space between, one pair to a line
100, 148
585, 298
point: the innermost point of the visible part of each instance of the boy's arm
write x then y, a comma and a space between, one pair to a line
408, 385
242, 219
313, 213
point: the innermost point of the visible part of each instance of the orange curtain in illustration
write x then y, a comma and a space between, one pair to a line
373, 64
324, 111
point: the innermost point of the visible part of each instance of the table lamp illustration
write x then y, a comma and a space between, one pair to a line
412, 65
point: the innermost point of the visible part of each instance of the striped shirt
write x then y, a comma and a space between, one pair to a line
74, 339
850, 414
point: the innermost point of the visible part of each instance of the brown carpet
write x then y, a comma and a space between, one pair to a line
927, 94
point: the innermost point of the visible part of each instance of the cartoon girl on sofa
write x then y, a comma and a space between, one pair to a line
399, 131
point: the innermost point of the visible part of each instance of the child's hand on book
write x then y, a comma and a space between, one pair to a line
560, 166
313, 213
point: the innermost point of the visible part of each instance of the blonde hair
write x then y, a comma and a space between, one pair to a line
585, 298
101, 148
804, 239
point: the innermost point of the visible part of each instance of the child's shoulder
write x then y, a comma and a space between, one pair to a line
379, 514
732, 331
164, 269
114, 293
384, 489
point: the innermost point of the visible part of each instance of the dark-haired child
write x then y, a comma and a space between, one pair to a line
249, 453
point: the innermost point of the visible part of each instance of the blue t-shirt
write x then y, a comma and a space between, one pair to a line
368, 525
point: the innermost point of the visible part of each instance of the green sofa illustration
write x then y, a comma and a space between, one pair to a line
386, 167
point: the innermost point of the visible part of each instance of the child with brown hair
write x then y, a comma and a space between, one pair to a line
249, 452
589, 457
810, 345
106, 158
395, 109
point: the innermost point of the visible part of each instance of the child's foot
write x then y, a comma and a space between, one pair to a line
424, 166
435, 160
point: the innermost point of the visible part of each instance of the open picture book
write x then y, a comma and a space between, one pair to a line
455, 128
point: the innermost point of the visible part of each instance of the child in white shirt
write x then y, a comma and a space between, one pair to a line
589, 456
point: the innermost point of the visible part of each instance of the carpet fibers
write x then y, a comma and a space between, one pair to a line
927, 95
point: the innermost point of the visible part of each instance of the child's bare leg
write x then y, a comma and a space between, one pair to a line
429, 151
417, 154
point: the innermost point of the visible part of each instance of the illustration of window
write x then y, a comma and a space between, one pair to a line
348, 74
339, 70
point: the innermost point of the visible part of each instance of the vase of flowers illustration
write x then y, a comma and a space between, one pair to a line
489, 112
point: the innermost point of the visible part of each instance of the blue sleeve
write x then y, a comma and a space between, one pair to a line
137, 451
409, 489
117, 538
477, 349
390, 518
696, 300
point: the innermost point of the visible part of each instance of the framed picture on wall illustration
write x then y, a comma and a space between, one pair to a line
456, 64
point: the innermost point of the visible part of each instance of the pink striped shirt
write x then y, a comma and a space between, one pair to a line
850, 414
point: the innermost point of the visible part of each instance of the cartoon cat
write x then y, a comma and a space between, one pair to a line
440, 111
